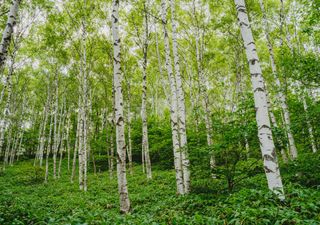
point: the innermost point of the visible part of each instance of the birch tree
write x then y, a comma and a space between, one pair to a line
282, 97
310, 128
8, 31
267, 146
173, 104
181, 104
145, 139
119, 120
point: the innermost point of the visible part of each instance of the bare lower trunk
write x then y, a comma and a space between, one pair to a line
282, 97
275, 125
173, 106
76, 146
6, 112
310, 129
68, 141
119, 120
270, 161
55, 129
129, 150
42, 139
145, 139
48, 149
181, 106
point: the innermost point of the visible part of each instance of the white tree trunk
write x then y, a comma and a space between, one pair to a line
61, 136
173, 105
163, 84
181, 105
275, 125
6, 112
48, 148
85, 104
7, 33
129, 150
281, 95
145, 139
119, 120
310, 129
68, 140
55, 131
111, 150
43, 132
76, 145
270, 161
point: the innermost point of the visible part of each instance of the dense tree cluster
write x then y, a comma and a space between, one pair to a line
198, 86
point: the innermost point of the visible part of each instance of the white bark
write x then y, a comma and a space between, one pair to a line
6, 112
173, 105
119, 120
275, 125
181, 105
160, 68
7, 33
61, 135
310, 129
144, 117
7, 151
43, 132
111, 150
85, 105
129, 150
55, 131
48, 148
202, 82
76, 145
282, 97
270, 161
68, 141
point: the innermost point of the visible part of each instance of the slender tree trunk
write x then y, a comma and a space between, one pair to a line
160, 68
6, 113
8, 31
270, 161
129, 148
119, 120
111, 150
68, 141
80, 150
85, 104
55, 128
173, 105
61, 136
7, 151
181, 105
202, 83
13, 148
20, 144
48, 147
145, 139
62, 149
76, 145
310, 129
282, 97
275, 125
42, 139
37, 155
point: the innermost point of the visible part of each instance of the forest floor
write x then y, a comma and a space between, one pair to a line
25, 199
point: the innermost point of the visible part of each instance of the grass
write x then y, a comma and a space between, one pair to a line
26, 199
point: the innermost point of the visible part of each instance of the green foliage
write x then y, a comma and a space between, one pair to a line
153, 202
304, 170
